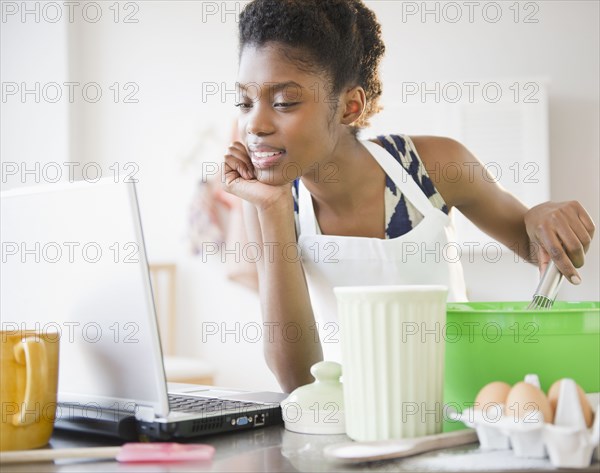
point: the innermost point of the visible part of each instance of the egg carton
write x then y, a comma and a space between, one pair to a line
567, 442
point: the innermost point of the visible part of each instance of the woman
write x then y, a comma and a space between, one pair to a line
330, 210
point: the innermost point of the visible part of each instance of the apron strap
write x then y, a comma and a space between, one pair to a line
306, 213
396, 172
400, 176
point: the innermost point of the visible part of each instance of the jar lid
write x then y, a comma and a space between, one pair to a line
318, 407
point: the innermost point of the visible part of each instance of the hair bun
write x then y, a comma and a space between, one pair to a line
340, 37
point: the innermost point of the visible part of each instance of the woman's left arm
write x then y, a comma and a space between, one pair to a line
561, 231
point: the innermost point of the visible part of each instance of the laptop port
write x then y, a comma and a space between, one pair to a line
259, 419
242, 420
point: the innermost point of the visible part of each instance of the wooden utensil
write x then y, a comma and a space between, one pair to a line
358, 452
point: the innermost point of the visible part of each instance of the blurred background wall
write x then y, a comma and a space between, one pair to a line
165, 72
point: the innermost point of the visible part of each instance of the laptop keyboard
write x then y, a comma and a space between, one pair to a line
206, 404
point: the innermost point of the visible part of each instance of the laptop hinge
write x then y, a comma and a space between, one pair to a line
144, 413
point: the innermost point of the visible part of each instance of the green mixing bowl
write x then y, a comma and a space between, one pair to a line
502, 341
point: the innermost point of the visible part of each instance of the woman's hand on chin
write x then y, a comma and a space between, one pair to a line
239, 178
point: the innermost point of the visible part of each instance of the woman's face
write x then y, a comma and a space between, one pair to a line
286, 120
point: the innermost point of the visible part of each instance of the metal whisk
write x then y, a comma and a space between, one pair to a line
544, 295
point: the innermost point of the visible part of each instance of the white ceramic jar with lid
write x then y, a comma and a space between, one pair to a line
318, 407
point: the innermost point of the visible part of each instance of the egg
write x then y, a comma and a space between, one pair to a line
586, 408
524, 400
492, 393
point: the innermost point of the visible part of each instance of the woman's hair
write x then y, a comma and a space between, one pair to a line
340, 38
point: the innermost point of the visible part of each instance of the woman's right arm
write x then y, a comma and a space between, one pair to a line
291, 344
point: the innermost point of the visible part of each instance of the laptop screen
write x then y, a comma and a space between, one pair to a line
73, 262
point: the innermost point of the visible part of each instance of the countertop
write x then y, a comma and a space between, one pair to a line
276, 449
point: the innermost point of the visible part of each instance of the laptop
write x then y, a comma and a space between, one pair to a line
74, 262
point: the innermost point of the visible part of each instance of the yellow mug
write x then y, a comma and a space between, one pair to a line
28, 385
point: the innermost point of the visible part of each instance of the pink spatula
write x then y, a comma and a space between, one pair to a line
128, 453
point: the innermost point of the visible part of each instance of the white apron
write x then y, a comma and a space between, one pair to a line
427, 254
